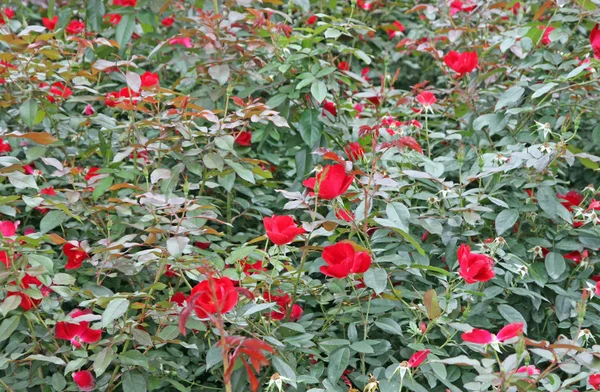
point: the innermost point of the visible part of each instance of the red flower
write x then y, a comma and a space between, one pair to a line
113, 19
343, 66
594, 380
84, 380
125, 3
311, 20
396, 29
92, 172
354, 151
593, 277
531, 370
426, 98
110, 99
478, 336
169, 273
595, 41
213, 296
417, 358
202, 245
77, 332
75, 254
4, 259
59, 91
168, 21
284, 302
251, 268
329, 107
4, 146
178, 298
510, 331
281, 230
344, 214
6, 14
243, 138
8, 228
75, 27
571, 199
50, 24
149, 79
546, 37
576, 256
185, 41
89, 110
474, 267
457, 6
342, 260
26, 283
365, 5
331, 182
461, 63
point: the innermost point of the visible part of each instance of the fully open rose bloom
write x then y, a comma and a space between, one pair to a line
29, 282
213, 296
594, 380
342, 260
50, 24
474, 267
85, 380
149, 79
281, 230
8, 228
461, 63
570, 199
77, 332
75, 27
481, 336
331, 182
75, 254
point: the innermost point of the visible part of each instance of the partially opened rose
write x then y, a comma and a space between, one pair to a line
283, 306
461, 63
331, 182
214, 295
594, 380
342, 260
75, 27
75, 254
50, 24
481, 336
281, 230
474, 267
85, 380
149, 79
418, 358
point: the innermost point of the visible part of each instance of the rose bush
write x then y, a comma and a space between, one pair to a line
299, 196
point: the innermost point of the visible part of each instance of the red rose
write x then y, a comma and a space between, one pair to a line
77, 332
329, 107
546, 36
243, 138
365, 5
178, 298
417, 358
426, 98
125, 3
531, 370
110, 99
92, 172
29, 282
5, 259
474, 267
354, 151
344, 214
395, 30
59, 91
4, 146
342, 260
571, 199
75, 27
168, 21
213, 296
478, 336
284, 302
84, 380
331, 182
6, 14
510, 331
251, 268
311, 20
113, 19
457, 6
595, 41
75, 254
202, 245
343, 66
281, 230
576, 256
50, 24
149, 79
8, 228
187, 42
461, 63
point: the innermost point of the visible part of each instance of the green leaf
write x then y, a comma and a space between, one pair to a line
411, 240
284, 369
101, 186
390, 326
133, 358
94, 12
134, 382
399, 215
28, 111
10, 303
125, 30
362, 347
555, 265
22, 181
45, 358
44, 261
8, 326
115, 309
505, 220
544, 89
376, 279
103, 359
510, 97
310, 128
511, 315
241, 171
52, 220
548, 202
338, 362
318, 90
59, 382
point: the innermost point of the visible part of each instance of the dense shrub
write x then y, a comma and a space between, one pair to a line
299, 196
